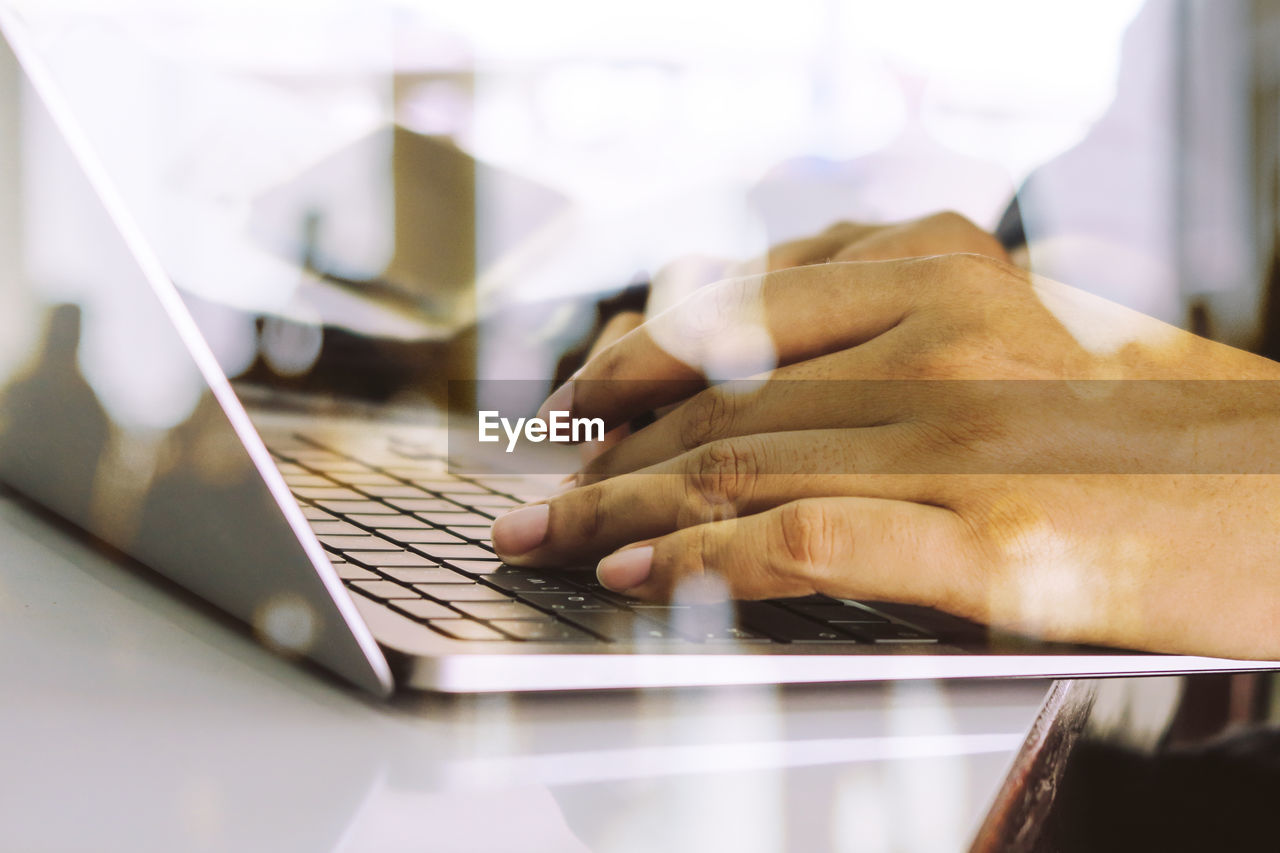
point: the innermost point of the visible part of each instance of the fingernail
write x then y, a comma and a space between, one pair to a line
561, 400
626, 569
521, 529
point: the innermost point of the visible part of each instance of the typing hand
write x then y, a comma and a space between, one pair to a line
936, 234
884, 453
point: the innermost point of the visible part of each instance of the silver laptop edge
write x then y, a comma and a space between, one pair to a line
368, 668
276, 577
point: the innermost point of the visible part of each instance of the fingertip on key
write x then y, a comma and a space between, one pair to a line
625, 569
521, 530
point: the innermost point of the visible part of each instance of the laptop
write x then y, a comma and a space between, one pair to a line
344, 538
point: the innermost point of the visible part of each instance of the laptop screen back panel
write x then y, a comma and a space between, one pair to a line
114, 413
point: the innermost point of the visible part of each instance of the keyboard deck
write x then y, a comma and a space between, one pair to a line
402, 530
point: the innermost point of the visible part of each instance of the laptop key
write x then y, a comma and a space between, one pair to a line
425, 504
565, 601
477, 567
891, 633
362, 478
837, 613
490, 500
465, 629
461, 551
620, 626
385, 522
334, 464
422, 470
335, 528
357, 507
398, 490
460, 487
313, 513
543, 631
450, 520
357, 543
461, 592
387, 559
330, 493
420, 608
436, 574
424, 536
944, 626
597, 589
384, 590
780, 624
407, 448
352, 572
313, 456
733, 634
488, 512
519, 581
305, 480
502, 610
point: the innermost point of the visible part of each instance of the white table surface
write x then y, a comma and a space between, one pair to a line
134, 719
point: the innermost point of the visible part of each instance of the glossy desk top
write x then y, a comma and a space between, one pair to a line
135, 719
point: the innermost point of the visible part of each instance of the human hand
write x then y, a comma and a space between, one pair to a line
1113, 501
944, 233
613, 330
936, 234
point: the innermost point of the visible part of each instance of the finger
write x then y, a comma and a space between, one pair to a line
589, 452
938, 234
615, 328
816, 250
805, 396
744, 327
847, 547
722, 480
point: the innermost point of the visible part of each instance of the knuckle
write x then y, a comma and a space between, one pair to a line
788, 254
706, 417
856, 251
701, 553
971, 267
976, 445
1008, 527
963, 232
940, 356
958, 274
723, 472
589, 517
806, 536
606, 364
949, 219
977, 274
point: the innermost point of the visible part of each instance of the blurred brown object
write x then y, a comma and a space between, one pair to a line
1210, 783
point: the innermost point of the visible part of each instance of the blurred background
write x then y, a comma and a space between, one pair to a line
320, 174
368, 197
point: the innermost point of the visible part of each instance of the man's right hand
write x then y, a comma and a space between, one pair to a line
937, 234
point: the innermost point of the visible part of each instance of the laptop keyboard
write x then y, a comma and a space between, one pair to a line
402, 530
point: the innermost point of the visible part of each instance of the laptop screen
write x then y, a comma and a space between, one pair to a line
114, 413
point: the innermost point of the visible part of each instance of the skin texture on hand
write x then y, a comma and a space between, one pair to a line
942, 430
938, 234
617, 326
